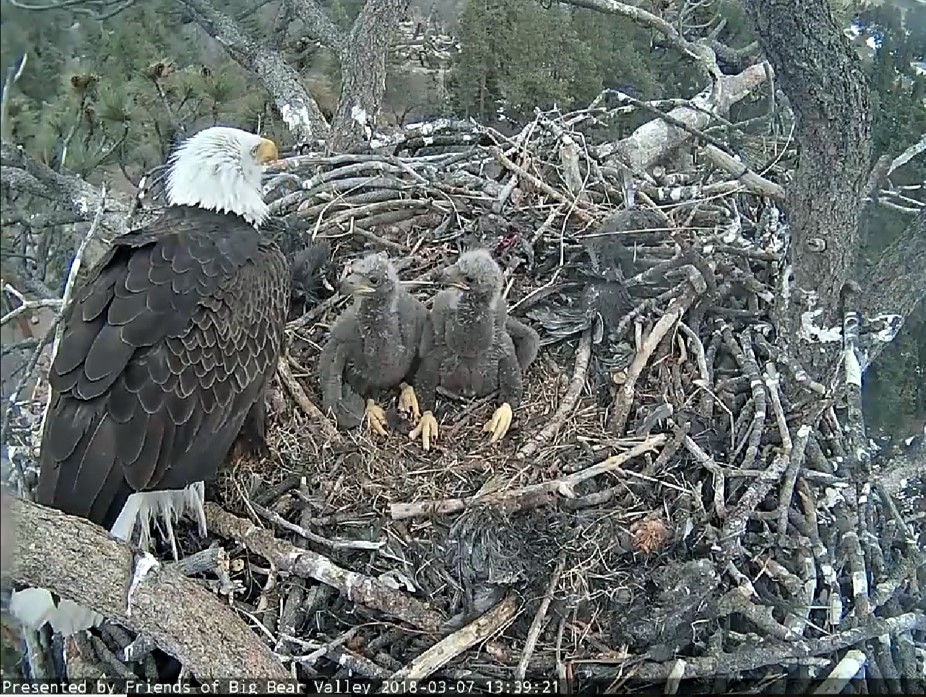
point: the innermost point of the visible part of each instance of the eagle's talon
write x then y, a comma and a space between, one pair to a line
375, 418
499, 424
408, 402
427, 429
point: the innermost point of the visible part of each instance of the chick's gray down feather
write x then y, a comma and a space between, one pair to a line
472, 347
373, 344
167, 348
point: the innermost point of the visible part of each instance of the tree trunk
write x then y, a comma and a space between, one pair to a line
298, 109
363, 74
823, 79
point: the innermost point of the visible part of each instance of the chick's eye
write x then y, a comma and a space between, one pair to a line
374, 280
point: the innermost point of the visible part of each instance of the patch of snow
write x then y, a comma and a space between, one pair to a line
812, 333
359, 114
297, 119
832, 497
786, 282
428, 140
892, 325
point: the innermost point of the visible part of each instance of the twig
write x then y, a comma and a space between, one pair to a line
568, 403
452, 646
564, 486
623, 400
533, 634
329, 431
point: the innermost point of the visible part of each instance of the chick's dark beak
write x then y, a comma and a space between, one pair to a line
356, 284
453, 277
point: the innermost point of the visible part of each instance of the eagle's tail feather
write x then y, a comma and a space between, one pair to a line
33, 607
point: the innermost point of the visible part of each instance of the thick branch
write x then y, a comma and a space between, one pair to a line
823, 79
78, 560
897, 283
298, 109
363, 74
645, 146
317, 24
77, 195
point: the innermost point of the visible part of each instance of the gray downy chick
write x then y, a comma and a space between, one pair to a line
373, 345
468, 349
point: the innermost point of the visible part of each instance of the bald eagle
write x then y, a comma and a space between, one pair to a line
167, 350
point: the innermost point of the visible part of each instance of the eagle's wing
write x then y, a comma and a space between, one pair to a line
168, 344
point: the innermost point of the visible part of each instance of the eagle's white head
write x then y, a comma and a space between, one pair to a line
219, 169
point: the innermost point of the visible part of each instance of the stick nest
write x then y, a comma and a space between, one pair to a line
676, 497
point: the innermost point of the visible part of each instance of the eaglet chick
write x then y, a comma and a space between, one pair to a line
372, 345
472, 347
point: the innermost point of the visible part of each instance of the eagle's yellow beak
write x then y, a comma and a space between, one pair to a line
266, 151
453, 277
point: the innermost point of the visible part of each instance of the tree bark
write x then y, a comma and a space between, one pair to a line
317, 24
363, 74
823, 79
897, 282
78, 560
297, 108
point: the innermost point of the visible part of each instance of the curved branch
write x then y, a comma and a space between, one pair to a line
298, 109
78, 560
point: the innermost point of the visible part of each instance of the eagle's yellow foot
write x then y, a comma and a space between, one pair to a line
375, 418
427, 429
408, 401
499, 423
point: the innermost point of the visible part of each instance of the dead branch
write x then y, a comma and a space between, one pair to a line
752, 657
623, 400
451, 646
307, 564
297, 108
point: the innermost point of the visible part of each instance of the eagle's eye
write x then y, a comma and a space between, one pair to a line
374, 280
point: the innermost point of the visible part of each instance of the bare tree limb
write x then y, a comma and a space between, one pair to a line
73, 192
78, 560
297, 108
897, 283
655, 138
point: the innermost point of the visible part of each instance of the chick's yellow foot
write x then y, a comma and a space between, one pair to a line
499, 423
427, 429
375, 418
408, 401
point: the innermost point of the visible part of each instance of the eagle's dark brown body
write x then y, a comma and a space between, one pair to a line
169, 344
